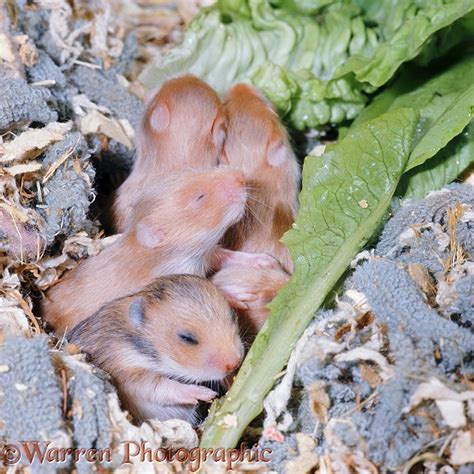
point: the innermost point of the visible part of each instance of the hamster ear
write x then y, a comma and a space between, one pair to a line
136, 312
277, 153
148, 234
160, 117
219, 132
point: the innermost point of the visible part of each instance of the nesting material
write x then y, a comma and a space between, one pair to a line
65, 104
387, 376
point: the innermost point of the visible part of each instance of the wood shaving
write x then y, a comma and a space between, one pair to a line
318, 150
462, 448
31, 167
6, 50
96, 122
32, 142
423, 279
12, 318
319, 401
449, 402
58, 163
26, 50
363, 353
370, 376
307, 459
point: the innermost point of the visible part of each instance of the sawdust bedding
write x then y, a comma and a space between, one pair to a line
349, 400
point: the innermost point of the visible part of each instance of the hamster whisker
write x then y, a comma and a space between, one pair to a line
252, 195
252, 213
186, 379
253, 199
243, 336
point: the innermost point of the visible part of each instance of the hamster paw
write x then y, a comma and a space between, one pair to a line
263, 260
239, 297
194, 393
227, 258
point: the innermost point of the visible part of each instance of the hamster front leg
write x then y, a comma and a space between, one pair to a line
146, 393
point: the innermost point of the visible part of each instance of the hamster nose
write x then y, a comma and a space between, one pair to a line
234, 187
232, 364
239, 178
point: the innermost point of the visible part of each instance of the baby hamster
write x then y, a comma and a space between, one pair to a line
174, 229
183, 127
158, 343
257, 144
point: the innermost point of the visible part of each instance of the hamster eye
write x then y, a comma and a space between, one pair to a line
188, 338
200, 197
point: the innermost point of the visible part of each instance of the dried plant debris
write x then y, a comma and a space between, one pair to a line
19, 414
21, 228
51, 395
387, 378
67, 115
156, 26
67, 187
106, 90
45, 70
64, 102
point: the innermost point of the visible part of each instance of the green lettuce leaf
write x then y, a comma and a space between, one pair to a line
345, 195
448, 125
302, 6
444, 168
316, 59
406, 40
445, 101
308, 100
458, 35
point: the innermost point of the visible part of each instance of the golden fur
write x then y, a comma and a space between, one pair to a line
257, 144
136, 339
188, 134
174, 229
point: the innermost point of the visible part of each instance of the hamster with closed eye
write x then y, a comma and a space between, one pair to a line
257, 143
183, 127
176, 332
174, 229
